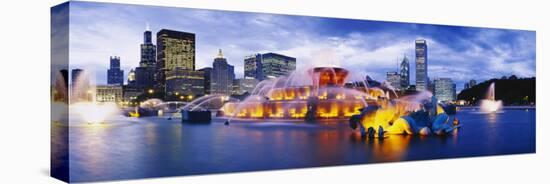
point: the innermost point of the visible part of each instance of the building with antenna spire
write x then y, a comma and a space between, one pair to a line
145, 73
222, 76
405, 73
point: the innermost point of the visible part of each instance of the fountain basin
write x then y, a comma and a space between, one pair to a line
297, 109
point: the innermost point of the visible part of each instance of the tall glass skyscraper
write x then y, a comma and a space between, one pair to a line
405, 73
222, 76
207, 76
145, 73
252, 65
175, 50
115, 75
269, 65
421, 50
445, 89
148, 51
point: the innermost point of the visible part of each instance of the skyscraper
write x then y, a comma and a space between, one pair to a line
445, 89
132, 78
145, 73
115, 75
222, 76
241, 86
207, 79
421, 50
269, 65
276, 65
185, 82
145, 77
394, 79
175, 50
405, 73
148, 51
252, 65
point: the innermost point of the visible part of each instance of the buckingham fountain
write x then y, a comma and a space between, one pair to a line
374, 111
324, 98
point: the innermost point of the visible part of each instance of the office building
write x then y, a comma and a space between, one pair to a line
394, 79
222, 76
421, 51
245, 85
115, 75
444, 89
268, 66
175, 51
109, 93
207, 71
145, 73
185, 82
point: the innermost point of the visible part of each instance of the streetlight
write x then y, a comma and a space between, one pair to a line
150, 91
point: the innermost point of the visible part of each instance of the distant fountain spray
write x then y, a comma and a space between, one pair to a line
489, 104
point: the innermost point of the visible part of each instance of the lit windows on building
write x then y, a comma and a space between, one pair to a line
187, 82
109, 93
445, 89
421, 51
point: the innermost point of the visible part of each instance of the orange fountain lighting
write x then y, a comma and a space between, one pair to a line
326, 98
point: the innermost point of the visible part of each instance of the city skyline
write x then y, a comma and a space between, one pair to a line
366, 47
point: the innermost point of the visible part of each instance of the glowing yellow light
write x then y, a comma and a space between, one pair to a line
150, 91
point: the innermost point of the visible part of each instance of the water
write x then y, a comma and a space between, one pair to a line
154, 147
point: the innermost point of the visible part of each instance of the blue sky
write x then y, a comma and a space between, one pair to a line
100, 30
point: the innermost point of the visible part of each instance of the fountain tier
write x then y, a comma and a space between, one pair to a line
324, 98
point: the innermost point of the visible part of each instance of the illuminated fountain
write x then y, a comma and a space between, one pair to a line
375, 111
322, 97
490, 105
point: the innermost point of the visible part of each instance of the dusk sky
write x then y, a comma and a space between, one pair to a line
99, 30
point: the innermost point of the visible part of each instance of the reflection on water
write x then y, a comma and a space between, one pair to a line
492, 117
392, 148
152, 147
